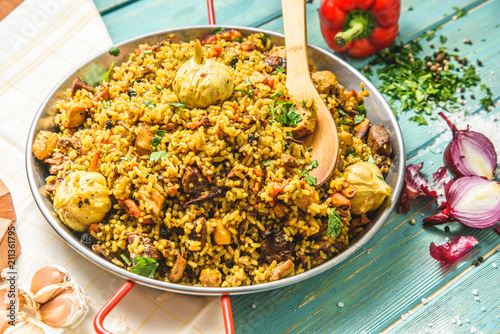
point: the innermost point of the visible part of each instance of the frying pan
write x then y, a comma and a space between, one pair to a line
91, 71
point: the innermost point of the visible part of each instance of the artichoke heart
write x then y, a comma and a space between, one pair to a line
200, 82
370, 186
81, 199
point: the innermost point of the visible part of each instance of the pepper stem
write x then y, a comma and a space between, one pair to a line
356, 27
198, 52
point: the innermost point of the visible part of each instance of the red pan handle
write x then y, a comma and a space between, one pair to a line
211, 13
227, 312
109, 306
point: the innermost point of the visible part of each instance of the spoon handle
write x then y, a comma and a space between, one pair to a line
294, 22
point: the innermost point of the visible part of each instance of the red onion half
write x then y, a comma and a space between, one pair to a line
472, 200
452, 251
469, 153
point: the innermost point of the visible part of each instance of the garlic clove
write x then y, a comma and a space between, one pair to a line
48, 275
47, 293
65, 310
24, 328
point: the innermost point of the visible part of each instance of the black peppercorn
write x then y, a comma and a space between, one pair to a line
109, 125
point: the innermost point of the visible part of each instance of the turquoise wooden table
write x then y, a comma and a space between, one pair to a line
392, 284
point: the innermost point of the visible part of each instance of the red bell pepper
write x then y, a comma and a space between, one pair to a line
360, 27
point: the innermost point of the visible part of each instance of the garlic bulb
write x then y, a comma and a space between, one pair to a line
370, 187
24, 328
65, 310
200, 82
48, 282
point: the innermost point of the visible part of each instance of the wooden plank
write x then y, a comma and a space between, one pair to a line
143, 17
466, 304
107, 6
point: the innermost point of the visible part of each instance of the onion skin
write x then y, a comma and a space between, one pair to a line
451, 251
456, 158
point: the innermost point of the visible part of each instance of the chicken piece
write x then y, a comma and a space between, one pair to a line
345, 139
324, 81
178, 268
80, 84
282, 269
308, 123
57, 162
102, 93
289, 161
280, 209
192, 180
81, 199
221, 234
210, 277
278, 51
154, 199
275, 247
145, 241
77, 112
379, 140
306, 200
362, 128
143, 141
44, 144
199, 232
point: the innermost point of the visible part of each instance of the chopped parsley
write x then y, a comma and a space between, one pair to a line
126, 259
350, 152
114, 51
420, 119
280, 69
371, 160
265, 162
334, 224
361, 109
106, 104
313, 165
107, 75
487, 101
278, 94
149, 104
264, 39
288, 117
147, 51
341, 112
246, 92
345, 121
157, 140
304, 103
144, 266
177, 105
359, 119
443, 39
248, 83
155, 156
286, 104
217, 30
459, 12
158, 89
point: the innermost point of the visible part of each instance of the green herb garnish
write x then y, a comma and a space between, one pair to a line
487, 101
311, 180
246, 92
157, 140
285, 104
459, 12
114, 51
443, 39
359, 119
280, 69
106, 75
125, 259
154, 156
106, 104
177, 105
265, 162
380, 177
264, 39
147, 51
313, 165
334, 224
217, 30
350, 152
144, 266
278, 94
420, 119
149, 104
345, 121
361, 109
371, 160
158, 89
247, 82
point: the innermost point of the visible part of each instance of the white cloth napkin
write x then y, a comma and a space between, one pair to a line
41, 41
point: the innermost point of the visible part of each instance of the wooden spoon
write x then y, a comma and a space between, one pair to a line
324, 140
